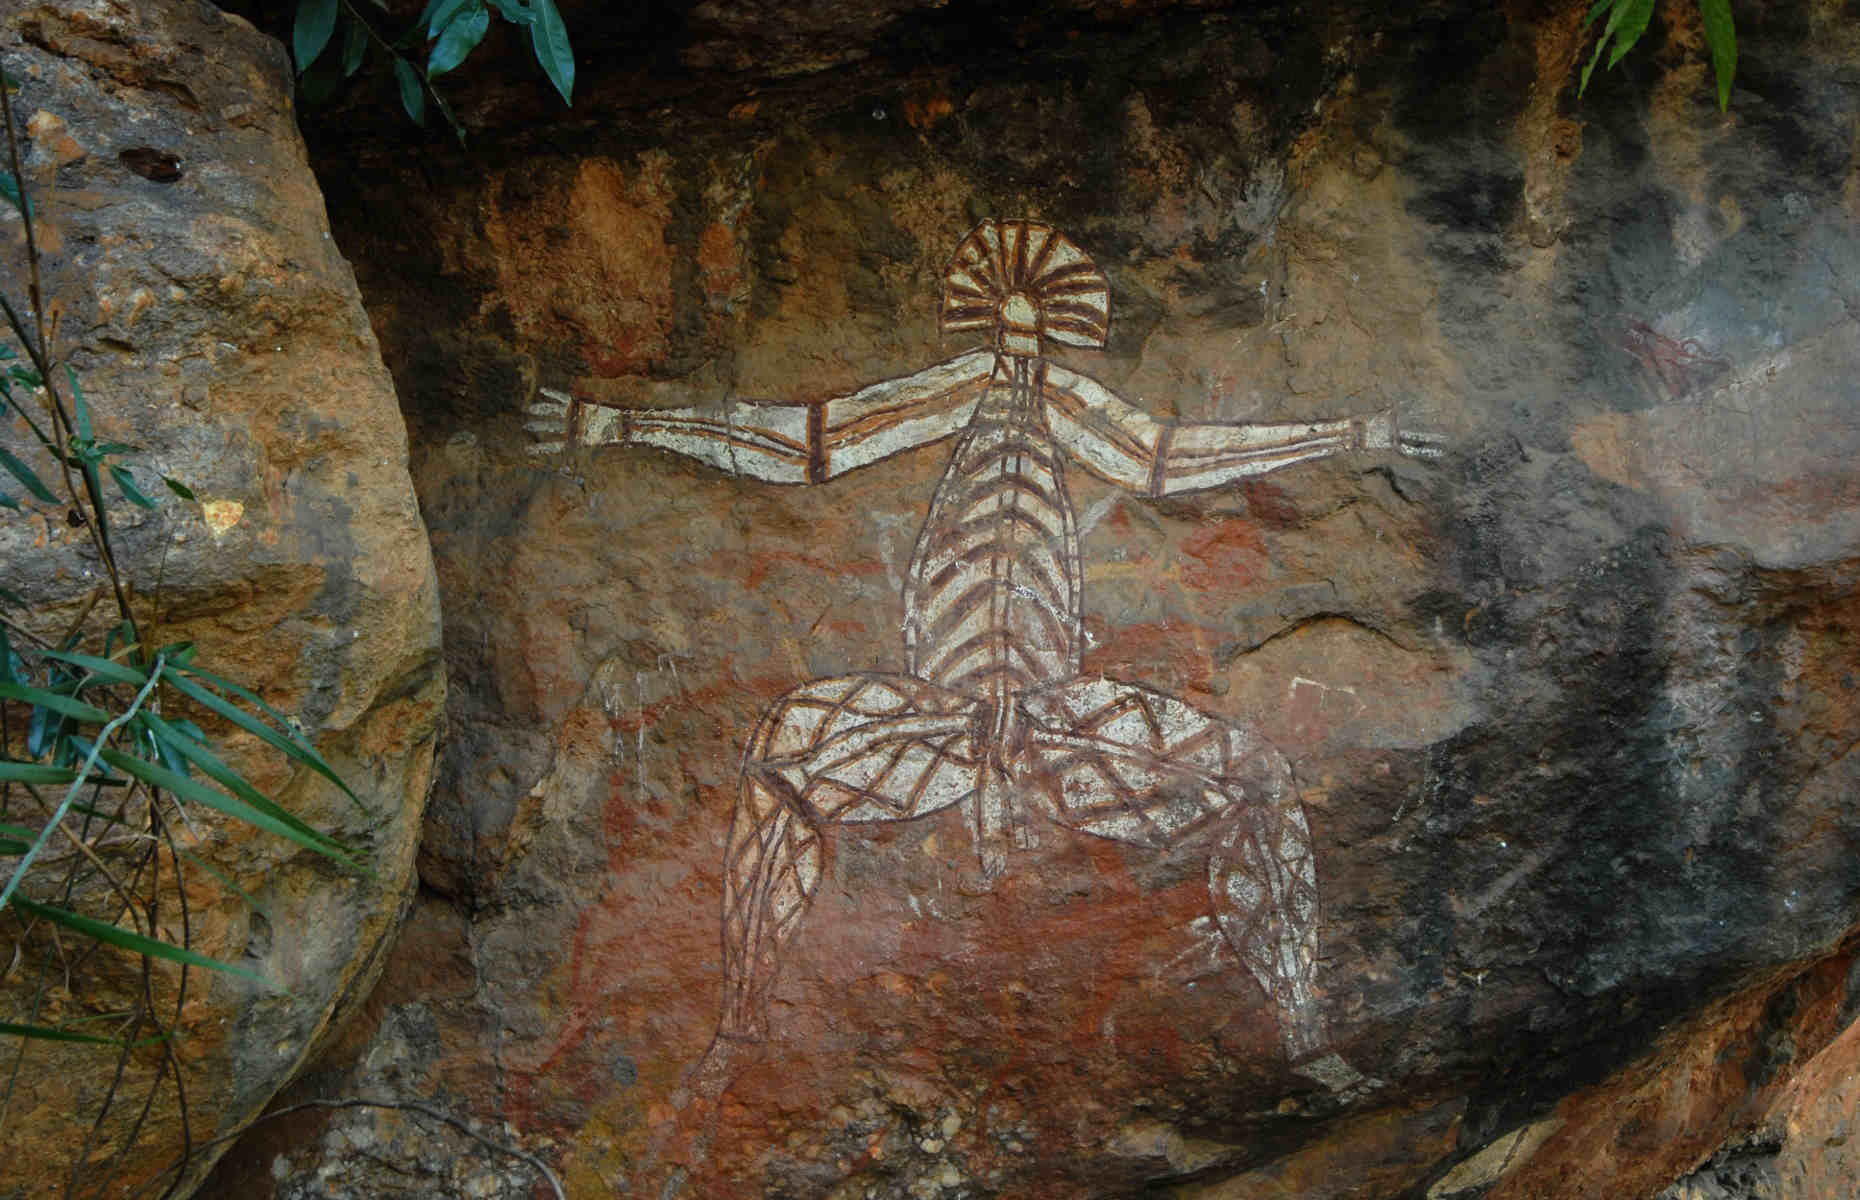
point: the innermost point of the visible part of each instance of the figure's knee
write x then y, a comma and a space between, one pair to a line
1263, 773
809, 714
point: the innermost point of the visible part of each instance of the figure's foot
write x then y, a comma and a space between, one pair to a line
1331, 1071
1337, 1077
681, 1143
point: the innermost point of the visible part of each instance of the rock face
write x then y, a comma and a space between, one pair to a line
1569, 710
214, 324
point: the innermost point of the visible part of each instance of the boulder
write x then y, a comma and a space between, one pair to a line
195, 289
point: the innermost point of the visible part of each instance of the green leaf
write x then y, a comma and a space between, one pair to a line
135, 943
354, 46
81, 409
294, 748
178, 488
226, 685
1633, 24
549, 38
459, 38
53, 1035
180, 654
1721, 36
1596, 10
26, 476
8, 596
52, 701
40, 731
194, 749
39, 773
316, 21
103, 668
452, 118
7, 501
15, 840
439, 15
193, 790
9, 188
515, 12
126, 483
412, 98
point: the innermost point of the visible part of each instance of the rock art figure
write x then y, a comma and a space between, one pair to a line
993, 715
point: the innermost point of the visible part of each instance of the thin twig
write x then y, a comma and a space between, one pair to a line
84, 848
39, 350
538, 1165
25, 212
96, 748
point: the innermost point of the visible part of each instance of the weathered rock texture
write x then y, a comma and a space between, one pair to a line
1572, 709
215, 325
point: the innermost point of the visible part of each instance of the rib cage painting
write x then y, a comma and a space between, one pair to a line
993, 715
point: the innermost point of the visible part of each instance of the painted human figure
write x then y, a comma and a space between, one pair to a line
992, 714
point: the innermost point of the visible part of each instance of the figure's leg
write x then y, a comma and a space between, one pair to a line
852, 748
1133, 765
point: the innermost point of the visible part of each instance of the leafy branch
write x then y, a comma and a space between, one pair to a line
446, 32
1628, 19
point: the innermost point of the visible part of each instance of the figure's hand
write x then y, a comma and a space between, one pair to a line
558, 418
550, 419
1385, 431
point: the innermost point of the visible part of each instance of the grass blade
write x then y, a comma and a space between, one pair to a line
196, 752
80, 410
102, 668
35, 773
296, 747
135, 943
197, 792
52, 701
27, 477
54, 1035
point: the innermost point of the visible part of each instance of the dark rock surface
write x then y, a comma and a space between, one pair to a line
1571, 710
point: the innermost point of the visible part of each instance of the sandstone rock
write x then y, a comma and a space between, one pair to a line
215, 325
1570, 709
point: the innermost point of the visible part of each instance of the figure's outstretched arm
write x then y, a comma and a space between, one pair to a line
1127, 446
780, 442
